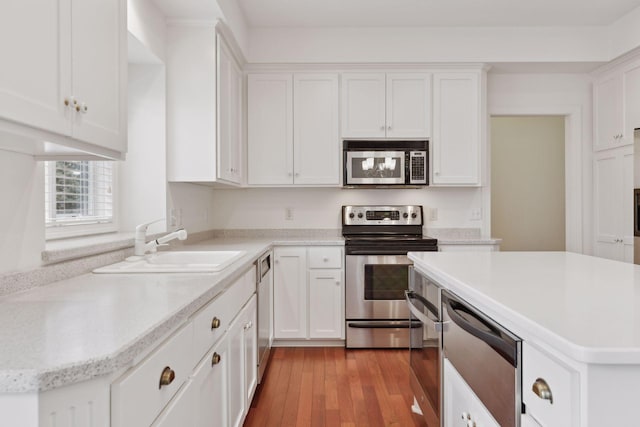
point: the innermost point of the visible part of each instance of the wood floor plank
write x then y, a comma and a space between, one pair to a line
329, 387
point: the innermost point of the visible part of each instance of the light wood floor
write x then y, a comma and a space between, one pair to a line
334, 387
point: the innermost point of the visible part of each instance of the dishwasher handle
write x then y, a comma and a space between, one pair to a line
263, 265
493, 339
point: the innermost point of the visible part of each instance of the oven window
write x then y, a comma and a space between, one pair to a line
376, 167
385, 281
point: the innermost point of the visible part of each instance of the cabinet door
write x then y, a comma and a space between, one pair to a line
608, 114
250, 313
229, 104
210, 383
462, 407
457, 127
36, 58
315, 129
363, 105
180, 411
270, 129
236, 370
408, 105
613, 201
326, 304
290, 293
99, 55
631, 101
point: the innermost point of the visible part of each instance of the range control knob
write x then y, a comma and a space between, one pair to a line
405, 215
351, 215
360, 215
413, 215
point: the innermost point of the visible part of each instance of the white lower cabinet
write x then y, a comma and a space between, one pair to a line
203, 375
308, 293
243, 361
462, 408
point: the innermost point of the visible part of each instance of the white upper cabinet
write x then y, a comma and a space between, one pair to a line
316, 139
613, 201
270, 129
379, 105
64, 81
616, 110
458, 127
293, 129
204, 107
608, 114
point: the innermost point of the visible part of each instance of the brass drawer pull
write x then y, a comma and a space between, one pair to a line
167, 377
215, 323
542, 390
215, 359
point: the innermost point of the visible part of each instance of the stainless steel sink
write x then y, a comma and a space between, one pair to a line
175, 262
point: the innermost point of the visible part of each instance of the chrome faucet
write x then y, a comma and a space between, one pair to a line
142, 246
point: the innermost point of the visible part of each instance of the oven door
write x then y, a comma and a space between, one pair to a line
425, 356
375, 286
375, 167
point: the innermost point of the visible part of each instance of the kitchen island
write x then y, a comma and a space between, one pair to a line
578, 317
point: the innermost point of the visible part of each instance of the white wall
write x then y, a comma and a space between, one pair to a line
22, 215
625, 34
549, 44
147, 24
320, 207
195, 204
553, 94
143, 176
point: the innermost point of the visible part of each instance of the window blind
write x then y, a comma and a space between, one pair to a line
78, 192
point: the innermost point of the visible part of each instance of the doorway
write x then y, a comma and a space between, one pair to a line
528, 182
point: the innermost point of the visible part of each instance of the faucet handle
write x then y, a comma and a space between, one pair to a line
143, 227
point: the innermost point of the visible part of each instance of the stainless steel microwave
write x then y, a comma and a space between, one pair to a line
386, 163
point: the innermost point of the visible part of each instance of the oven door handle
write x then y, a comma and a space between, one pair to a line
492, 339
410, 295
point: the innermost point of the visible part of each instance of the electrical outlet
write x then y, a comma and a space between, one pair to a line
476, 214
288, 214
433, 214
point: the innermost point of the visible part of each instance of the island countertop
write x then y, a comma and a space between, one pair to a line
585, 307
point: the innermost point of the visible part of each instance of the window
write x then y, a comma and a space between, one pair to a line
79, 198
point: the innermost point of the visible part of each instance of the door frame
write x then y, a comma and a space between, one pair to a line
573, 164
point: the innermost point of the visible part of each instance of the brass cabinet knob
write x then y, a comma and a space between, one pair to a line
542, 390
215, 359
215, 323
67, 102
78, 108
167, 377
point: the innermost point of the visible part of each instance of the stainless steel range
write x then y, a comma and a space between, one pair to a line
377, 239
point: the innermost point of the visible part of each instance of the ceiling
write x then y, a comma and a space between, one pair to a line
451, 13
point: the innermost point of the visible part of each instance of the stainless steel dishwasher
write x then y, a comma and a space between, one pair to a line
486, 355
265, 308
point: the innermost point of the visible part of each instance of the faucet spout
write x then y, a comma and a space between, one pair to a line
142, 247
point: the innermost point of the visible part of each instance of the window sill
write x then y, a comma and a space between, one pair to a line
79, 247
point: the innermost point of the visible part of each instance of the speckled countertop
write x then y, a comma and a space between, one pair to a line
93, 325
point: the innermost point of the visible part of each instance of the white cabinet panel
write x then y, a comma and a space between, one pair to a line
67, 73
378, 105
363, 105
270, 129
408, 105
316, 150
462, 408
210, 384
204, 107
457, 128
290, 292
631, 101
36, 72
99, 74
326, 308
608, 112
180, 411
613, 201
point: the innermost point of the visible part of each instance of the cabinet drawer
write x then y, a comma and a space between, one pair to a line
138, 397
214, 319
563, 383
325, 257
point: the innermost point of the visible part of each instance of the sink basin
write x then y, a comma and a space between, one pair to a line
175, 262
